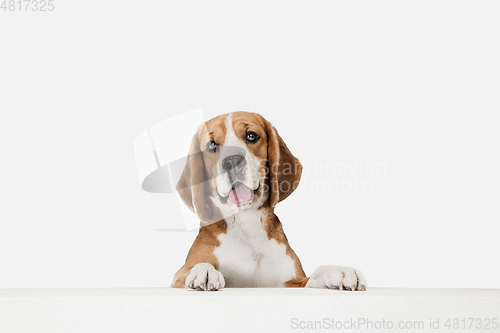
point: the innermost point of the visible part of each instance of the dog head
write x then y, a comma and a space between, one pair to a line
237, 161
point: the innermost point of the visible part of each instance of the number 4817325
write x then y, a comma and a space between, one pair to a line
27, 5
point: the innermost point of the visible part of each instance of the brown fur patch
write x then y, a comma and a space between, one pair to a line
274, 230
202, 251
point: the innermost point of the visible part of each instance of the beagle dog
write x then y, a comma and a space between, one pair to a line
237, 170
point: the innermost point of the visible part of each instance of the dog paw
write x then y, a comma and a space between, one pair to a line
205, 277
337, 277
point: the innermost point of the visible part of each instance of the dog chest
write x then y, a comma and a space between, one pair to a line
248, 258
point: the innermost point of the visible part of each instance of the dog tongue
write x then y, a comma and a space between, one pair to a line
240, 194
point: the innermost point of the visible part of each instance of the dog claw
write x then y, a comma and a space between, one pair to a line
353, 287
341, 286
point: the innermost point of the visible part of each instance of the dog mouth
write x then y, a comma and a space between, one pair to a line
240, 194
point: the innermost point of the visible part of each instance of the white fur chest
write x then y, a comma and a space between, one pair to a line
248, 258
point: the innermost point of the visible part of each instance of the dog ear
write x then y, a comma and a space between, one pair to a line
193, 186
284, 168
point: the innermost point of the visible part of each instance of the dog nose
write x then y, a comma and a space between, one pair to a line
234, 163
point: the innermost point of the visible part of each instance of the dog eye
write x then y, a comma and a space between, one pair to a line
212, 146
252, 137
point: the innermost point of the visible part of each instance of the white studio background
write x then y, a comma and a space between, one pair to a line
409, 85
